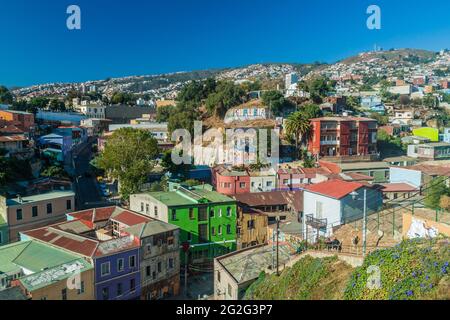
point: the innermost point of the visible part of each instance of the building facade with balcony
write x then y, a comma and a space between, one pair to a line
343, 137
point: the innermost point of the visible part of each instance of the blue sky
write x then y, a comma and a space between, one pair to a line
134, 37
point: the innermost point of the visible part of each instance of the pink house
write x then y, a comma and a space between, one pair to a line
230, 182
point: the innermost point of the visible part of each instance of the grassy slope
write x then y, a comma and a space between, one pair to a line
415, 269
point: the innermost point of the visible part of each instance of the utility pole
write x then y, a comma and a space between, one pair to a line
278, 246
365, 223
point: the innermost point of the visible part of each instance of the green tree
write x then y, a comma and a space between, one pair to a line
55, 172
6, 96
311, 111
163, 113
225, 96
299, 127
129, 156
436, 190
277, 102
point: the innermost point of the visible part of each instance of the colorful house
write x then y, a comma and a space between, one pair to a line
430, 133
159, 257
44, 272
4, 232
115, 260
207, 219
332, 203
26, 213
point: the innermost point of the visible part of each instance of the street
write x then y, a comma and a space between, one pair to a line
88, 194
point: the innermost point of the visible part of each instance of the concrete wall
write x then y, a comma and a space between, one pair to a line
403, 175
144, 201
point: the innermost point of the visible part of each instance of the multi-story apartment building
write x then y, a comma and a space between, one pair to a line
26, 213
343, 136
207, 219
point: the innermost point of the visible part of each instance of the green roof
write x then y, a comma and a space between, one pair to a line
33, 256
47, 277
40, 197
192, 196
150, 228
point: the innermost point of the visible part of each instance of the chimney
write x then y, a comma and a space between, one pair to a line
19, 198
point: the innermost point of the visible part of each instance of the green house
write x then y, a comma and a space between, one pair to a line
4, 231
207, 219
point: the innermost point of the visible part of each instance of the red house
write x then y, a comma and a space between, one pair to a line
343, 136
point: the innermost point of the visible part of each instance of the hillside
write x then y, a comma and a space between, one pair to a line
414, 269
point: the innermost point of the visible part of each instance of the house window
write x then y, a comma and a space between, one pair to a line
285, 181
142, 207
218, 276
132, 285
147, 208
213, 231
191, 213
105, 269
81, 289
64, 294
220, 212
174, 214
156, 211
228, 211
189, 236
19, 215
268, 183
159, 267
49, 208
251, 224
120, 264
229, 290
242, 185
34, 211
148, 271
171, 263
119, 289
154, 275
105, 293
132, 261
219, 230
69, 204
211, 213
228, 229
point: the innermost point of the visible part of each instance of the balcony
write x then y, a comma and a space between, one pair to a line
329, 143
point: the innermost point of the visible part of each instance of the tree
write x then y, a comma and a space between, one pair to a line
298, 126
123, 98
55, 172
381, 119
57, 105
435, 191
225, 96
183, 118
277, 102
6, 96
163, 113
311, 111
129, 156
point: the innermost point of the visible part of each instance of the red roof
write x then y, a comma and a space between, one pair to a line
71, 242
336, 189
130, 218
12, 138
94, 215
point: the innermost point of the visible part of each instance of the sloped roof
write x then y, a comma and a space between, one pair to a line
336, 189
150, 228
292, 198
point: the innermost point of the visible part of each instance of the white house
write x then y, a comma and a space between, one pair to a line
252, 110
335, 202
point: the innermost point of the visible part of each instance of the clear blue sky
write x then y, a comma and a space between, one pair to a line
133, 37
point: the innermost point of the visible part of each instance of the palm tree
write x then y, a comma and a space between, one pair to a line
298, 126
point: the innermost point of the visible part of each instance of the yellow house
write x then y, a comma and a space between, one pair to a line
426, 132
